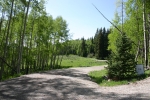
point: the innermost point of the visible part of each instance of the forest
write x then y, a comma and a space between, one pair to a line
32, 40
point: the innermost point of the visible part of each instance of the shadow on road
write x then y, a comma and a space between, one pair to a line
68, 72
27, 88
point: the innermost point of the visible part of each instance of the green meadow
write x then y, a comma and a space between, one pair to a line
77, 61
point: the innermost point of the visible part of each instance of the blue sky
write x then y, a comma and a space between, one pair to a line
82, 18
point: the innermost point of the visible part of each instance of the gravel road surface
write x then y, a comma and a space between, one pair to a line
69, 84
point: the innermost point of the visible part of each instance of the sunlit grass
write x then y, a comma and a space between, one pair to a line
98, 77
76, 61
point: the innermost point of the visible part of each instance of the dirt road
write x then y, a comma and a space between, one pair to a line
69, 84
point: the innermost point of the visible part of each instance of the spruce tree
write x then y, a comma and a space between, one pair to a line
106, 52
101, 46
121, 64
83, 48
101, 43
96, 45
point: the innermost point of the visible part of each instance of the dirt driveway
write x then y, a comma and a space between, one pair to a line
69, 84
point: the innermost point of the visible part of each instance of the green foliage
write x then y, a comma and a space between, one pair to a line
121, 64
30, 38
112, 37
98, 77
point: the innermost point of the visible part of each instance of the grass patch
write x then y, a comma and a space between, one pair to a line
98, 77
77, 61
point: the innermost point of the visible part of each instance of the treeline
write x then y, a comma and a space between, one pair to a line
93, 47
30, 39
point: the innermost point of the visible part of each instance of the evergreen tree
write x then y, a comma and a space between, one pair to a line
121, 65
96, 43
101, 43
106, 51
83, 48
92, 46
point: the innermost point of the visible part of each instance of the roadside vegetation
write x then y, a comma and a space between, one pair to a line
68, 61
100, 78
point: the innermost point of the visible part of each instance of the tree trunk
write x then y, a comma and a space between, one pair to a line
1, 71
51, 60
19, 40
1, 21
24, 30
57, 61
54, 61
148, 34
61, 60
137, 53
145, 36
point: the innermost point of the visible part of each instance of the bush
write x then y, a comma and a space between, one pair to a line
121, 64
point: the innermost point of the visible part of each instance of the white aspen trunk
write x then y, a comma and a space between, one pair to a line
24, 30
148, 37
61, 60
145, 38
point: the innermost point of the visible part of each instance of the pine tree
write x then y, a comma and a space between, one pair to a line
83, 48
92, 46
101, 43
96, 43
121, 65
106, 51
